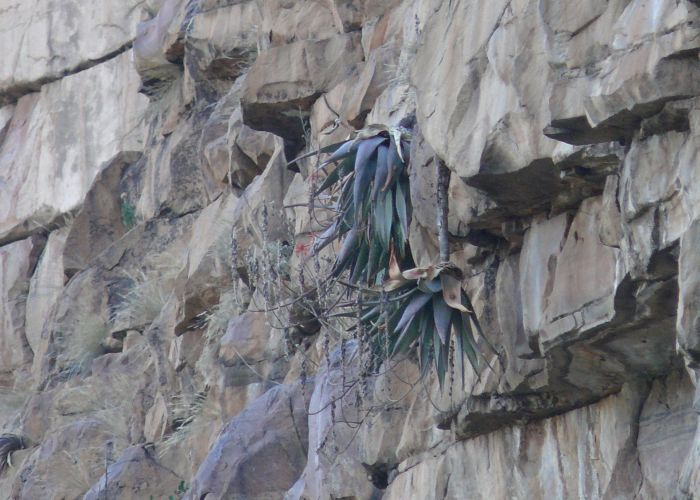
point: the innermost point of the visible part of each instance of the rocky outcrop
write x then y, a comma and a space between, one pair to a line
165, 328
260, 452
44, 43
57, 140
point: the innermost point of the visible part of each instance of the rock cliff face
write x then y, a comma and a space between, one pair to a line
149, 222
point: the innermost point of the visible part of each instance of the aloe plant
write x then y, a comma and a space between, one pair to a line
425, 309
369, 179
420, 308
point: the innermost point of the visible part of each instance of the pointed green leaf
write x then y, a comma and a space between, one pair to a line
346, 149
379, 221
383, 265
346, 166
364, 173
443, 317
375, 255
426, 344
393, 163
465, 339
368, 313
396, 140
330, 179
399, 240
346, 251
382, 170
388, 216
407, 336
402, 208
325, 149
412, 309
360, 265
329, 235
440, 353
475, 320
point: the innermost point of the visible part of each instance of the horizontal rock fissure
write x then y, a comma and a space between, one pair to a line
12, 94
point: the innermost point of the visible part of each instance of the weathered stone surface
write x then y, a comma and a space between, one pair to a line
543, 241
584, 280
284, 82
65, 465
135, 475
689, 298
174, 180
159, 44
263, 198
667, 426
51, 152
103, 216
260, 453
17, 261
105, 298
222, 42
208, 256
251, 350
43, 41
464, 119
234, 153
368, 450
46, 286
587, 453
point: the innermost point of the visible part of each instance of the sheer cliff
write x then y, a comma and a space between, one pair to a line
166, 327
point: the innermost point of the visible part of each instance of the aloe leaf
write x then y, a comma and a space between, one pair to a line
465, 340
325, 149
459, 339
378, 216
382, 170
375, 254
363, 171
347, 207
346, 166
408, 335
346, 251
368, 313
412, 309
426, 344
326, 237
402, 208
399, 241
383, 264
394, 318
393, 163
475, 321
360, 263
440, 353
443, 317
388, 217
346, 149
330, 179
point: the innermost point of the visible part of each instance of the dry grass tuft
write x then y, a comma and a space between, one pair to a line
149, 291
191, 414
85, 343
